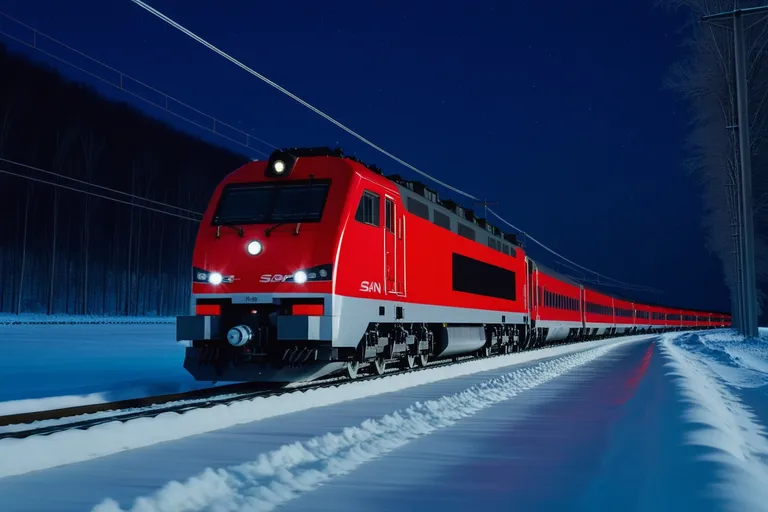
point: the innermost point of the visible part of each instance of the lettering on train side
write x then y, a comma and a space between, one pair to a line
273, 278
370, 287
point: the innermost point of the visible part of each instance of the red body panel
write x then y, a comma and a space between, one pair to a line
417, 262
558, 300
605, 302
622, 306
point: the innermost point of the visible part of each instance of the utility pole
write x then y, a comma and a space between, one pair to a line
485, 204
749, 303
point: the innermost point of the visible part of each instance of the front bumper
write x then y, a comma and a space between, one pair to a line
289, 328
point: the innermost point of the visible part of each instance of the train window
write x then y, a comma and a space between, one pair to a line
389, 213
505, 249
269, 203
368, 209
418, 208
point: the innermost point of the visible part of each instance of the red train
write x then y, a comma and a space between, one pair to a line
313, 263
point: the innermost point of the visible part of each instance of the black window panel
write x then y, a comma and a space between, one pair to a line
441, 219
480, 278
267, 203
368, 209
418, 208
389, 214
505, 249
466, 231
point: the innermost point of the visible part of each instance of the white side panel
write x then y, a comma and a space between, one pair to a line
350, 316
558, 330
356, 313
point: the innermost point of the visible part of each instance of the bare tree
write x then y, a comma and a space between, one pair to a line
707, 79
65, 138
92, 145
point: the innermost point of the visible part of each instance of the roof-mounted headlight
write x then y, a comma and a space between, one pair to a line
280, 164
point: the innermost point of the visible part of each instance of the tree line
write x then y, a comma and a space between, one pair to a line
706, 78
63, 251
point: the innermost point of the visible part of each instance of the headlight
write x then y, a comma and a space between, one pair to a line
254, 248
300, 277
278, 167
215, 278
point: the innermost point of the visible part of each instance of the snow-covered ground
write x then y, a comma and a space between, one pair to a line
266, 452
659, 423
55, 365
34, 318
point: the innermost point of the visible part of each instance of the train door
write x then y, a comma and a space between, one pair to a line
533, 297
400, 273
390, 246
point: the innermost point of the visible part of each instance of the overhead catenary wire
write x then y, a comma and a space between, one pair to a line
66, 187
263, 78
121, 85
89, 184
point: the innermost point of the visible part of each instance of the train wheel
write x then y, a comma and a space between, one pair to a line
352, 368
379, 366
423, 359
410, 362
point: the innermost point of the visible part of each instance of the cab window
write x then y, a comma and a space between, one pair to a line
368, 209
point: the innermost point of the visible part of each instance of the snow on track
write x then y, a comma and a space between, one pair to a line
284, 474
734, 433
19, 456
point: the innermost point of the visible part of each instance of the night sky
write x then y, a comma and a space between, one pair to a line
556, 110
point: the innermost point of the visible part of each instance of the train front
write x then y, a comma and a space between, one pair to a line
263, 270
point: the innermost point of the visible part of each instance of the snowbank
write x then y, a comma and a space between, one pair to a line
728, 427
293, 469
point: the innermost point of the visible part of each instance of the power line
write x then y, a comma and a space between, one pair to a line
208, 45
184, 217
99, 186
123, 78
618, 283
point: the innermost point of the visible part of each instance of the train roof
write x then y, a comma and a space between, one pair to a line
452, 207
554, 273
468, 215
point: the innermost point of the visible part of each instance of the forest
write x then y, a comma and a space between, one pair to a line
101, 202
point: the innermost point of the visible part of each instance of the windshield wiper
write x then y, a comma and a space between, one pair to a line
240, 231
269, 229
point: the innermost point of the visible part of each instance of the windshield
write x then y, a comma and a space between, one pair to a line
266, 203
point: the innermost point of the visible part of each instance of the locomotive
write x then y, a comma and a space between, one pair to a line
313, 263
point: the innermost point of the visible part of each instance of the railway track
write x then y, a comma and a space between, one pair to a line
180, 403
